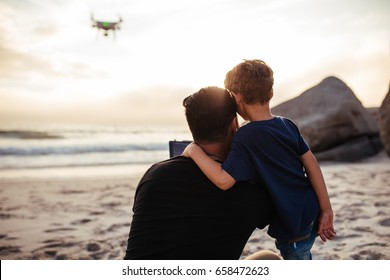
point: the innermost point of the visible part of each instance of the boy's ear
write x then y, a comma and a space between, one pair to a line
237, 96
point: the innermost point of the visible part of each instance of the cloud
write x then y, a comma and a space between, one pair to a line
44, 29
156, 104
53, 66
16, 64
367, 76
160, 105
22, 35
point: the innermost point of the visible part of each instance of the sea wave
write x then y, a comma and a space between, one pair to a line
82, 149
79, 161
72, 146
28, 134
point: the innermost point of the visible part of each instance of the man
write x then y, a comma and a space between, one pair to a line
179, 213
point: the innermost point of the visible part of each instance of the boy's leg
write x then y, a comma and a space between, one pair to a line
300, 250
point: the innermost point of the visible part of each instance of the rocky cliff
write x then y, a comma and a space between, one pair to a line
333, 121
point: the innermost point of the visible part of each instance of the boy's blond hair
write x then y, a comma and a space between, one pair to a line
253, 79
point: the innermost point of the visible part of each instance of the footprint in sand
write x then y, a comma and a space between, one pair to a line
385, 222
381, 203
111, 204
53, 243
5, 250
114, 227
95, 213
368, 255
5, 216
80, 222
93, 247
59, 229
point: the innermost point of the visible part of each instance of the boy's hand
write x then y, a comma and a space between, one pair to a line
190, 149
325, 225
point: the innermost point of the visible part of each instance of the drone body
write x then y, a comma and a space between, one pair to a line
106, 26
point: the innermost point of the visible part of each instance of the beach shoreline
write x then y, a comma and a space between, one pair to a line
64, 214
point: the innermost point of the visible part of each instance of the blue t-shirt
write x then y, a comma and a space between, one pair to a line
269, 152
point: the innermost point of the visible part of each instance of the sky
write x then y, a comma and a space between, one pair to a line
54, 67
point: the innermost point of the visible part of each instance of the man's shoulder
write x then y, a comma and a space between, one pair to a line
176, 171
174, 162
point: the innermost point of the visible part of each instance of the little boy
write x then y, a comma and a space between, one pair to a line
271, 150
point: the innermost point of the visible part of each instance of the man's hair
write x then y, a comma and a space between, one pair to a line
253, 79
209, 113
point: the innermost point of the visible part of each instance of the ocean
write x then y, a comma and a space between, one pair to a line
53, 146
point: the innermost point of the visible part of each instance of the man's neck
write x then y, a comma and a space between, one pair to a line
216, 151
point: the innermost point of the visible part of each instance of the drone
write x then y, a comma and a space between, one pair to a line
106, 25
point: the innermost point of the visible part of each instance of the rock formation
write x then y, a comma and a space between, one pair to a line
333, 121
384, 122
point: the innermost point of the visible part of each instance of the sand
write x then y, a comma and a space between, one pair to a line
86, 214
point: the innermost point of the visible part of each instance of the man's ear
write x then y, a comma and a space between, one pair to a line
234, 125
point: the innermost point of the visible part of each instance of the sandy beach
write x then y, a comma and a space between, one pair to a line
86, 214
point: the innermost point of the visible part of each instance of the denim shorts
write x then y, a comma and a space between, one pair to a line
300, 250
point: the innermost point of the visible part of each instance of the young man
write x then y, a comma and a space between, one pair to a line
179, 213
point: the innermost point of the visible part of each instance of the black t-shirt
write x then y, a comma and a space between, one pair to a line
179, 214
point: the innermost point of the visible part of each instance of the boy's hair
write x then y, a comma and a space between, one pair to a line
209, 113
253, 79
